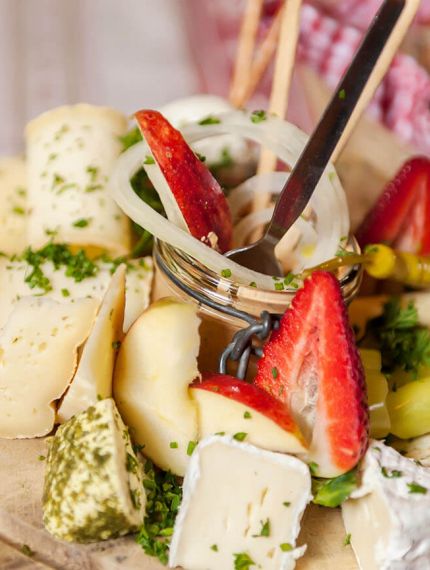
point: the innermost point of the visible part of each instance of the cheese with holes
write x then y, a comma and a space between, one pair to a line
38, 357
240, 503
388, 517
93, 482
93, 378
70, 156
13, 286
13, 205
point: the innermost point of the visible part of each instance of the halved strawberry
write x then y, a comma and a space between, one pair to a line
312, 364
401, 216
199, 196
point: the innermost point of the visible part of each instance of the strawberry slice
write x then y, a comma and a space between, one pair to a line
311, 363
197, 193
401, 216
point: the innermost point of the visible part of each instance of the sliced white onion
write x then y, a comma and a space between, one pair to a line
283, 138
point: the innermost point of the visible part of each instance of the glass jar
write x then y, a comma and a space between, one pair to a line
225, 306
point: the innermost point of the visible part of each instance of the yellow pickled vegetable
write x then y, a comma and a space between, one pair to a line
409, 409
377, 390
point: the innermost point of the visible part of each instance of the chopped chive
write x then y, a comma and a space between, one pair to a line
313, 467
286, 547
65, 292
82, 223
347, 539
416, 488
258, 116
209, 120
214, 547
191, 447
149, 159
342, 94
226, 273
240, 436
174, 445
247, 415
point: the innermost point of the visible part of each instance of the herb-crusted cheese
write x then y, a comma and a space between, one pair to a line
93, 483
70, 154
13, 205
388, 517
234, 508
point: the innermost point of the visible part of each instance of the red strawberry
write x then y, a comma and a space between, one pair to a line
312, 364
401, 216
198, 194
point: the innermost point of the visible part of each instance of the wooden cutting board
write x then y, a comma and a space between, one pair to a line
21, 483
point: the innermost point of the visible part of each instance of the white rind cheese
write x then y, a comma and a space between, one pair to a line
93, 378
388, 517
93, 483
38, 358
70, 155
240, 501
13, 205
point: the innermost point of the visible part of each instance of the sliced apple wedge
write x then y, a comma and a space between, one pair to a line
156, 363
234, 407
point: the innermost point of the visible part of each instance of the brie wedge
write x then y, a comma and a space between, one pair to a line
93, 483
388, 517
240, 504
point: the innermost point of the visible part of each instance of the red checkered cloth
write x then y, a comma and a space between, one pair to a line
402, 102
359, 13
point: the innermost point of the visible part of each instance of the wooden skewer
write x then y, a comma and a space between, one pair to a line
284, 64
263, 57
380, 70
245, 50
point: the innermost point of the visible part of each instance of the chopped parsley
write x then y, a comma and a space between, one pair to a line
82, 223
287, 504
242, 561
240, 436
25, 549
210, 120
163, 497
173, 445
279, 286
333, 492
347, 539
214, 547
191, 447
265, 529
247, 415
403, 342
258, 116
286, 547
149, 159
416, 488
226, 273
395, 473
253, 284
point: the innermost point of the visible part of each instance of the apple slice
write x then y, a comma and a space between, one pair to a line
156, 363
197, 193
231, 406
311, 363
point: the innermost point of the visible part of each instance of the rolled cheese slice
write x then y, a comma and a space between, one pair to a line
13, 205
93, 378
70, 153
94, 483
38, 356
13, 286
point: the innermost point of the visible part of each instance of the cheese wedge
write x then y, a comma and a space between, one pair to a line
156, 363
13, 205
93, 378
388, 517
66, 289
93, 483
70, 155
38, 357
240, 504
138, 289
